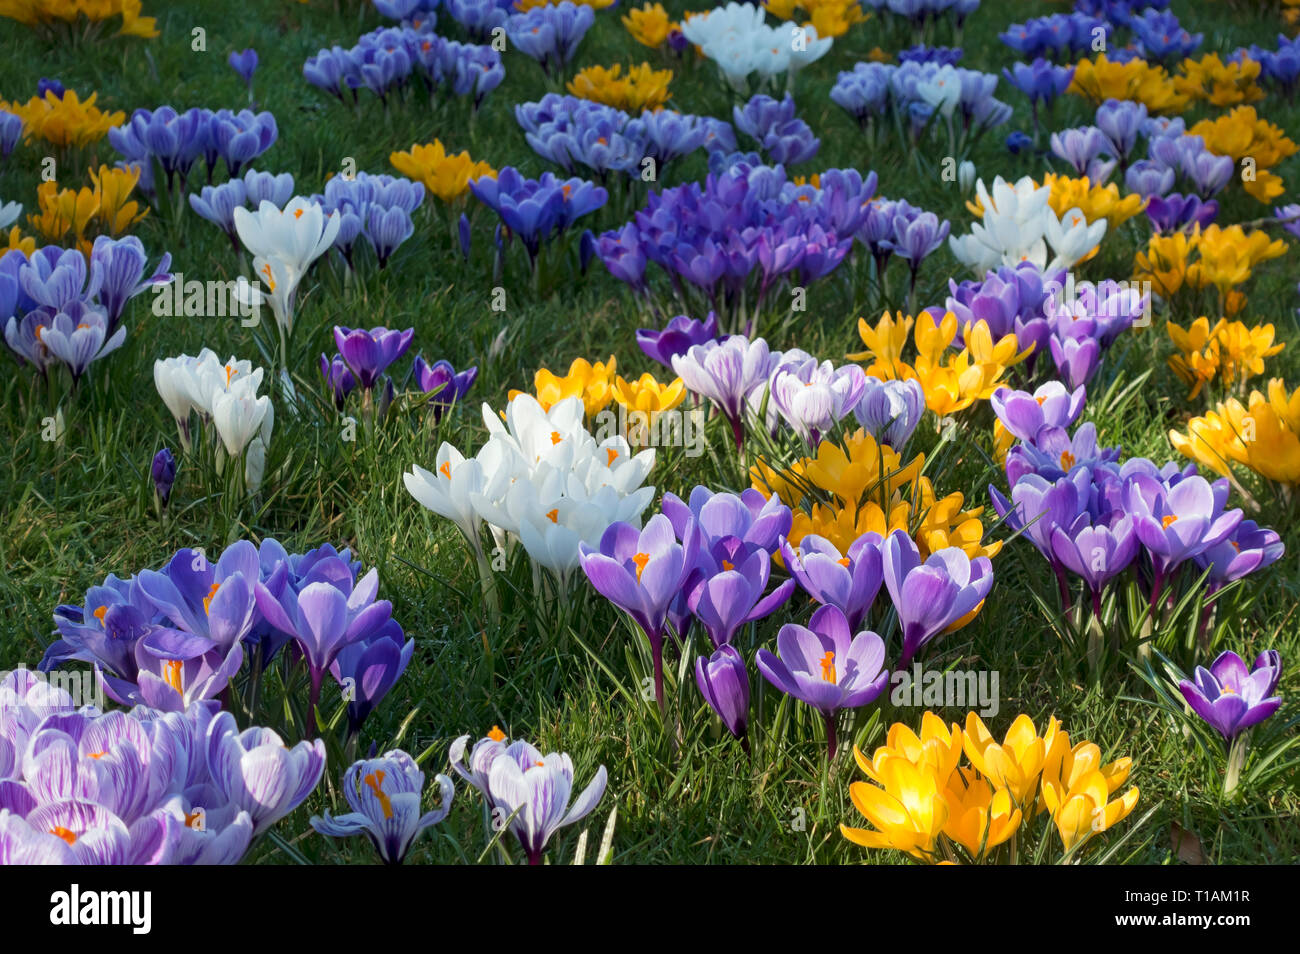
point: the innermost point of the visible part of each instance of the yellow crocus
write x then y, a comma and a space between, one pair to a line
1211, 80
445, 175
594, 383
936, 750
1102, 79
909, 812
980, 817
1015, 763
885, 344
643, 87
1096, 201
648, 396
1084, 808
649, 24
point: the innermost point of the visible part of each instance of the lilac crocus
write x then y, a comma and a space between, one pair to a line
826, 666
1079, 147
723, 681
1149, 178
175, 669
338, 378
256, 772
386, 229
1248, 548
933, 595
813, 397
849, 581
384, 795
641, 572
1232, 698
1024, 414
535, 791
917, 237
1121, 122
368, 669
245, 64
11, 130
1076, 359
267, 187
163, 472
727, 600
891, 410
550, 34
1177, 523
213, 600
1096, 551
1041, 81
679, 336
217, 205
726, 372
443, 383
369, 353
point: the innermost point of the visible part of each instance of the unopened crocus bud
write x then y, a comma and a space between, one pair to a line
164, 475
966, 176
464, 232
245, 64
254, 465
724, 683
586, 249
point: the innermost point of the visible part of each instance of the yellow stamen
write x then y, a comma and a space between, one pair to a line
172, 674
1067, 460
828, 666
207, 600
99, 614
728, 565
496, 735
95, 755
554, 515
640, 559
69, 836
1167, 519
230, 373
843, 561
445, 469
374, 780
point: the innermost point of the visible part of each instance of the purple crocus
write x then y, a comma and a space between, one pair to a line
369, 353
1096, 551
384, 795
726, 372
849, 581
641, 572
1232, 698
1171, 212
1079, 147
122, 263
256, 772
338, 378
368, 669
1024, 414
891, 410
1175, 523
245, 64
1075, 358
213, 600
444, 385
724, 682
825, 665
679, 336
726, 600
813, 397
1248, 548
1121, 122
217, 205
163, 472
175, 669
933, 595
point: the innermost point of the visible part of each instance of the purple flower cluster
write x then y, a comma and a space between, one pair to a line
176, 141
1062, 37
1085, 319
144, 787
377, 207
536, 210
60, 311
739, 237
772, 124
550, 34
1278, 68
577, 134
1009, 301
173, 637
1160, 36
217, 203
479, 17
387, 60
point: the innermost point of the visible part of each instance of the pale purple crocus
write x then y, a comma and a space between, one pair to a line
1024, 414
384, 795
245, 64
723, 680
1232, 698
677, 337
727, 600
725, 372
826, 666
1095, 551
1248, 548
1177, 523
256, 772
369, 353
813, 397
535, 790
641, 572
933, 595
891, 410
849, 581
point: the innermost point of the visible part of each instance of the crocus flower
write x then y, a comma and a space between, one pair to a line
891, 410
727, 600
827, 666
724, 682
1097, 552
369, 353
1232, 698
726, 372
384, 795
535, 790
256, 772
163, 471
641, 572
680, 335
217, 204
1024, 414
1248, 548
338, 377
368, 668
813, 397
245, 64
930, 597
444, 385
485, 750
849, 581
213, 600
1177, 523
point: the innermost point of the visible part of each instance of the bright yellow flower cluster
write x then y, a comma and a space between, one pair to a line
64, 121
1225, 259
1230, 351
1262, 435
926, 804
45, 12
75, 216
1243, 134
1211, 80
16, 240
445, 175
594, 383
1101, 79
649, 24
1095, 201
864, 487
647, 396
951, 381
642, 88
827, 17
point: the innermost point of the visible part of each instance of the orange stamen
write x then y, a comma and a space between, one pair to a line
374, 780
207, 600
828, 666
69, 836
640, 559
445, 469
496, 735
554, 515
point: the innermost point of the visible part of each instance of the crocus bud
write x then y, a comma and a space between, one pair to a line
724, 683
966, 176
164, 474
464, 232
254, 465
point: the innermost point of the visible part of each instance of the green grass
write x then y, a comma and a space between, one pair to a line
79, 509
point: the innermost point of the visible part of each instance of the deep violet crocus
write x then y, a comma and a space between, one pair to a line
367, 669
677, 337
163, 472
338, 378
641, 572
723, 680
369, 353
384, 795
825, 665
1232, 698
934, 595
444, 385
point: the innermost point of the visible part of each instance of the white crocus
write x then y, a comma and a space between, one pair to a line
1071, 237
239, 417
449, 488
1016, 217
942, 91
213, 377
177, 382
9, 212
254, 464
296, 235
